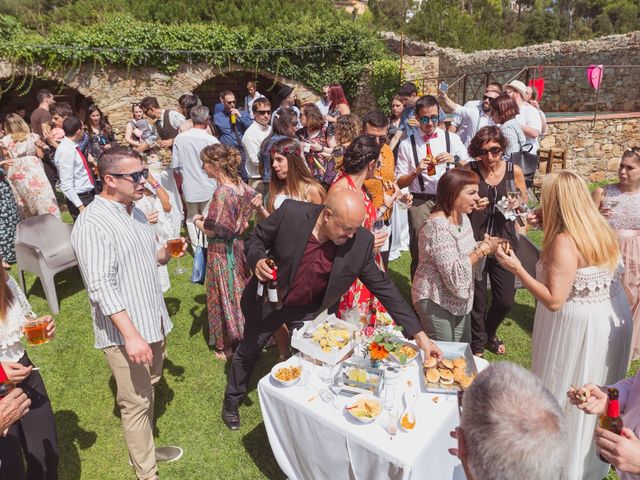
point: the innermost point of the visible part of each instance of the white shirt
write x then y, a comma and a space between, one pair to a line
469, 119
324, 107
529, 116
74, 178
405, 163
252, 140
197, 186
248, 102
11, 349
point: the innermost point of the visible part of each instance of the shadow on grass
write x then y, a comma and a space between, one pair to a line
199, 315
173, 305
254, 443
71, 437
68, 283
163, 393
402, 282
522, 314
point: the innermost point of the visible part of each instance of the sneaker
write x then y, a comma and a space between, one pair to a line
168, 454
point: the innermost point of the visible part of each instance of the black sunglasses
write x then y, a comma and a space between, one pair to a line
263, 112
492, 151
381, 139
135, 176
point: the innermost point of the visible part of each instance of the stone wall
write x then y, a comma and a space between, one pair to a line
594, 151
566, 89
115, 89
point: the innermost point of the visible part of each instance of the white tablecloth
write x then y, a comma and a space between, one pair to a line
314, 441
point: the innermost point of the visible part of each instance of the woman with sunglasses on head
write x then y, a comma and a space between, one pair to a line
498, 179
100, 133
232, 206
360, 162
31, 442
316, 144
620, 205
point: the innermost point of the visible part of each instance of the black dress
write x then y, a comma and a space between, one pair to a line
485, 323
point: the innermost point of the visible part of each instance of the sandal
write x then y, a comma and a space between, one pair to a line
495, 345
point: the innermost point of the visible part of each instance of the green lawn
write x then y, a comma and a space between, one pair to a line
189, 397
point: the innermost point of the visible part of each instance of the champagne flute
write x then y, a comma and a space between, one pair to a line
174, 247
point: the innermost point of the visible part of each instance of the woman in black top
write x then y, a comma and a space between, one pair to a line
497, 178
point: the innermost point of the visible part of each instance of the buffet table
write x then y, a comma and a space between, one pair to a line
314, 440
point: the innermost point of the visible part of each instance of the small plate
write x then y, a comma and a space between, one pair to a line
370, 398
286, 364
395, 358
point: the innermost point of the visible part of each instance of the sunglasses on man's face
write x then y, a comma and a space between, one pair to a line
263, 112
432, 119
492, 151
135, 176
379, 138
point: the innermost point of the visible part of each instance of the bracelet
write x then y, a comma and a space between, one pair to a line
156, 186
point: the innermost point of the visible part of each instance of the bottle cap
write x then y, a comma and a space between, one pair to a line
3, 375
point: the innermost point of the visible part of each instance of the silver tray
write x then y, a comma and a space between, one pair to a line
450, 350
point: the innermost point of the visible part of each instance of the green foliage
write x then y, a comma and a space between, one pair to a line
352, 45
385, 80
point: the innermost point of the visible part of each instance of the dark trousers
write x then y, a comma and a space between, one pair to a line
418, 213
86, 198
484, 324
50, 169
33, 436
256, 333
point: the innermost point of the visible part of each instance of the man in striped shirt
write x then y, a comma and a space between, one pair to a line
117, 256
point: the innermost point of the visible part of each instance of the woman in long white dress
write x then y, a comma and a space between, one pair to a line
582, 327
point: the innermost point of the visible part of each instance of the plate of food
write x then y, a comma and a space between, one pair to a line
287, 373
364, 408
454, 372
404, 353
330, 337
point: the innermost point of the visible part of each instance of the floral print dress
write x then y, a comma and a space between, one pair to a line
227, 269
9, 219
31, 189
358, 296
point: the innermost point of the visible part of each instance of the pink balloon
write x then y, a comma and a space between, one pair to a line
594, 75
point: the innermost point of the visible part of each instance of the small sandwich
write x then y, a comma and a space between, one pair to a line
433, 375
446, 377
459, 374
430, 362
459, 362
483, 202
465, 382
446, 363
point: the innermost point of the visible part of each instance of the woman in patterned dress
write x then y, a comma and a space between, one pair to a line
9, 218
620, 204
232, 206
22, 152
361, 159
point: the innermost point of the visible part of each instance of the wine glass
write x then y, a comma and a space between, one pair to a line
174, 247
324, 372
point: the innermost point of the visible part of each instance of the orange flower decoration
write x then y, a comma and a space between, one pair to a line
377, 351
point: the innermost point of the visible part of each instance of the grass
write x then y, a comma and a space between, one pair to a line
189, 396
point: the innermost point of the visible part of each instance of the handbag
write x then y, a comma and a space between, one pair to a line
527, 161
199, 262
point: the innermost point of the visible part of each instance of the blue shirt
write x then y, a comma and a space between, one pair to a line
228, 135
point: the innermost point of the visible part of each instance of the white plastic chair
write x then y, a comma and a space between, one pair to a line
43, 247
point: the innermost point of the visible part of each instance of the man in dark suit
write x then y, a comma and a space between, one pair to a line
319, 252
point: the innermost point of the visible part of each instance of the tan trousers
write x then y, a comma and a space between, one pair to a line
135, 394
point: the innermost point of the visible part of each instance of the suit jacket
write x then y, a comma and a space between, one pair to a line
285, 234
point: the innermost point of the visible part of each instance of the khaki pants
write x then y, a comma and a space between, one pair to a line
135, 395
418, 214
196, 208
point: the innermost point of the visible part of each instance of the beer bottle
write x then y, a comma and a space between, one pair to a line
260, 292
431, 167
6, 385
611, 420
273, 288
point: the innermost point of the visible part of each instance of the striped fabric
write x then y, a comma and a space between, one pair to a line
117, 258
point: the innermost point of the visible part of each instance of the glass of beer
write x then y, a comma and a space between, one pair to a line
36, 331
174, 247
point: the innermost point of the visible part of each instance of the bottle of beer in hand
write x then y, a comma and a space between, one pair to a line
611, 420
431, 167
260, 292
6, 385
273, 288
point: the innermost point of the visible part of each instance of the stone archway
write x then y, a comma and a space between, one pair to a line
209, 90
14, 98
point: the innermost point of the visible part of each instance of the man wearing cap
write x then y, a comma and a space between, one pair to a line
474, 115
412, 165
529, 117
288, 96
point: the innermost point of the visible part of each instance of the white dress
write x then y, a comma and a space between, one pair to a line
586, 341
164, 231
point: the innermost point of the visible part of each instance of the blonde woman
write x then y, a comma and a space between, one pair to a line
232, 206
582, 327
22, 152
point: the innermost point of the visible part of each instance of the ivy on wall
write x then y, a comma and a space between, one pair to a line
314, 52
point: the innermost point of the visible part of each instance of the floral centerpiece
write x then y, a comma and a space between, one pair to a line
379, 341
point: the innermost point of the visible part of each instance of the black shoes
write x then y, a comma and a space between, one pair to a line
230, 415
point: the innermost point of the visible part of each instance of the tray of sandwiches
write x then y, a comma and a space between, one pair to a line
327, 339
454, 372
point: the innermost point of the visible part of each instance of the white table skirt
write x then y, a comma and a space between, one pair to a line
314, 441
